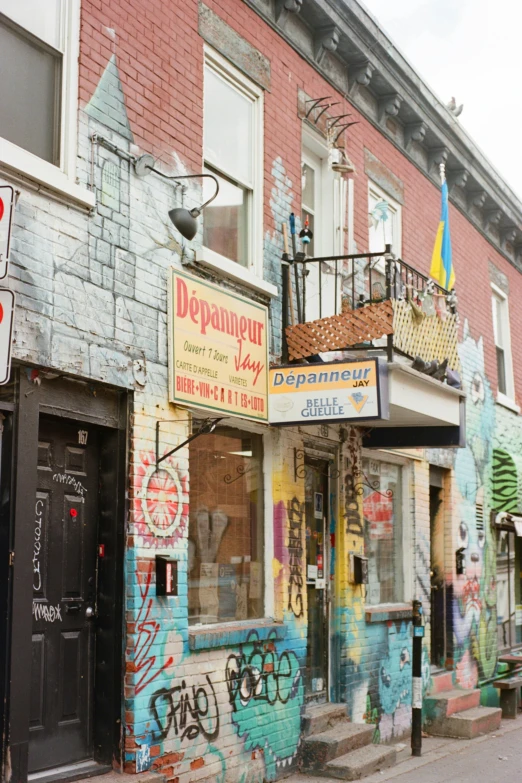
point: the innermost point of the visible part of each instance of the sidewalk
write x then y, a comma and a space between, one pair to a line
493, 758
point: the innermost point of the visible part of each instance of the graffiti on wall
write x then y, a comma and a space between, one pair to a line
295, 512
259, 678
474, 605
186, 711
160, 502
146, 660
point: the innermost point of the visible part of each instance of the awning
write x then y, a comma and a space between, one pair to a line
423, 413
505, 521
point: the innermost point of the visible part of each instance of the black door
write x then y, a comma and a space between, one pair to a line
64, 595
438, 592
316, 510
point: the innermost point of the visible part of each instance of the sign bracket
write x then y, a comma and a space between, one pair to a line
207, 426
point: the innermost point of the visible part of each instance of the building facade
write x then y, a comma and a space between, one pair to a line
181, 580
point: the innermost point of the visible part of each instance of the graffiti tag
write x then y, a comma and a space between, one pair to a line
48, 613
37, 546
262, 675
188, 712
295, 549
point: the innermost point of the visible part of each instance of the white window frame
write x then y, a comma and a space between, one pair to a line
501, 298
17, 161
396, 211
407, 526
252, 274
332, 191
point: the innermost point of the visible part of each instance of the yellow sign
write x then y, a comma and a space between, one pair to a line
218, 349
331, 392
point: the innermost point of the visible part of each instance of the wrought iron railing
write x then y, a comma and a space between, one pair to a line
347, 283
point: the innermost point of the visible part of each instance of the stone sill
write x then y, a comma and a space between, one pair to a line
232, 634
383, 612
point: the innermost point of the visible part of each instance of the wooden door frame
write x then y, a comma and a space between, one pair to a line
109, 410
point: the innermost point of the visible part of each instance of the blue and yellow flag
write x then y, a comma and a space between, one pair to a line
441, 263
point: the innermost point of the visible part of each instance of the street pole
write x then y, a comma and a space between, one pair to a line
416, 702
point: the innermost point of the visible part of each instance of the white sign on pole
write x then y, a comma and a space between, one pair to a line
6, 217
7, 303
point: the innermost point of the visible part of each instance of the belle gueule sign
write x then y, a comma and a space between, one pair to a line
218, 349
329, 392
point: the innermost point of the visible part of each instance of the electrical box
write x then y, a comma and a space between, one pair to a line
166, 576
360, 570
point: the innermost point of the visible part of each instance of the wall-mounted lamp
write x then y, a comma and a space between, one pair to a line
184, 220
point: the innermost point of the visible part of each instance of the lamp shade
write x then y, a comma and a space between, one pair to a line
186, 223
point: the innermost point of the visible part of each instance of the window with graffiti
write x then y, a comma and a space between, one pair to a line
383, 530
225, 547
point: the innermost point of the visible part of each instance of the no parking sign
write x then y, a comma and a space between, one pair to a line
7, 302
6, 217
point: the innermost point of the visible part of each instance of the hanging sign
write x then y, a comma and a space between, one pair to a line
7, 302
6, 218
330, 392
218, 349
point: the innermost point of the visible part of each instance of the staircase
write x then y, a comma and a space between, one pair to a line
335, 748
456, 712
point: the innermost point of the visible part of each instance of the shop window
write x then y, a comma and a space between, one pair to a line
233, 134
225, 547
383, 531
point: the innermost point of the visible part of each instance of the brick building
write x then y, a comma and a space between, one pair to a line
289, 555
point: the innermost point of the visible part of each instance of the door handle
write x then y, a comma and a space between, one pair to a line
89, 612
69, 608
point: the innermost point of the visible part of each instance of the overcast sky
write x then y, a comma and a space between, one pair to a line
470, 49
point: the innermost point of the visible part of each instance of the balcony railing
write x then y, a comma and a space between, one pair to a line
366, 302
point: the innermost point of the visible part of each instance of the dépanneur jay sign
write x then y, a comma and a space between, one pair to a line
218, 349
330, 392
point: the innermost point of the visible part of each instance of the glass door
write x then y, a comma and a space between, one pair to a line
316, 514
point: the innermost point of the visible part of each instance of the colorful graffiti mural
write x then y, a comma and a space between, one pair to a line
160, 502
474, 591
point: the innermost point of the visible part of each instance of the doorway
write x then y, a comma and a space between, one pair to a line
437, 580
316, 515
65, 589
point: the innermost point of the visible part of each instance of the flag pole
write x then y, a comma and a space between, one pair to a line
442, 169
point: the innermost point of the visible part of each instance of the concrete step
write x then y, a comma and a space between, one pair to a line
446, 703
318, 749
441, 682
320, 717
469, 724
361, 762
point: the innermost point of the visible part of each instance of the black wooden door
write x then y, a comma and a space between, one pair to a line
64, 594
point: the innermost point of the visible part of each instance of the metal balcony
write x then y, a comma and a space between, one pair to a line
376, 304
367, 302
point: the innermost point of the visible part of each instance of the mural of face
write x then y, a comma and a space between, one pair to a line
395, 670
480, 410
468, 605
260, 678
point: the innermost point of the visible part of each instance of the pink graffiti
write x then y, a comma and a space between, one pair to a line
160, 501
147, 628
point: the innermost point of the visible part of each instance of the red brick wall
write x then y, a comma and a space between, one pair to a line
160, 59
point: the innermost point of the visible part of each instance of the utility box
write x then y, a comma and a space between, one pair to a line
166, 576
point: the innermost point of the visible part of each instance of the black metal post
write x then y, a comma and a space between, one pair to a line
285, 272
416, 702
